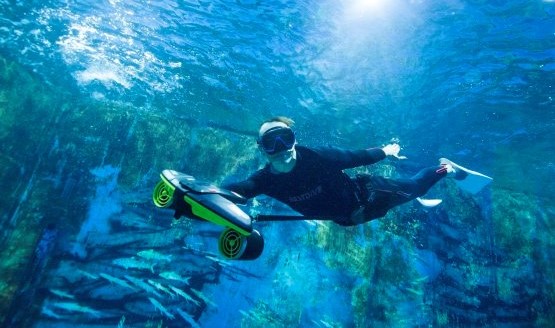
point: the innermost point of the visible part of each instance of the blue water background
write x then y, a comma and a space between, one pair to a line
476, 74
471, 80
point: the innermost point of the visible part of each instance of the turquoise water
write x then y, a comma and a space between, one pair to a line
98, 98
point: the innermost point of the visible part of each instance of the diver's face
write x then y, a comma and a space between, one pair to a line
277, 142
283, 161
283, 156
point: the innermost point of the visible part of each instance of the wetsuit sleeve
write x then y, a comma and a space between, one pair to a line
247, 188
346, 159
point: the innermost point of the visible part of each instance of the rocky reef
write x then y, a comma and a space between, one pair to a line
82, 244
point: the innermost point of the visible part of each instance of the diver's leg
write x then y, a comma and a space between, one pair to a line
393, 192
426, 178
383, 194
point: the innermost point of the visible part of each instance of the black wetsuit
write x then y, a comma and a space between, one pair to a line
317, 185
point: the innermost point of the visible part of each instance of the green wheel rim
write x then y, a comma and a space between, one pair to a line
163, 194
231, 244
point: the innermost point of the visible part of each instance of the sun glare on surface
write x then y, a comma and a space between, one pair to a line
360, 8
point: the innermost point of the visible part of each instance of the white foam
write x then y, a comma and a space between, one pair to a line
175, 64
100, 48
106, 74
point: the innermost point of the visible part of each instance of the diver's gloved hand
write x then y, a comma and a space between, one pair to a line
393, 150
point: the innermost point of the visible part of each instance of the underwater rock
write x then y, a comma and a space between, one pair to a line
22, 301
454, 276
427, 264
112, 292
448, 231
464, 299
141, 308
466, 317
102, 207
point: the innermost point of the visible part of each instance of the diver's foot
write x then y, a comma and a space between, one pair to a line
447, 166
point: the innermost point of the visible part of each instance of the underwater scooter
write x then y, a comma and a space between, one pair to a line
197, 199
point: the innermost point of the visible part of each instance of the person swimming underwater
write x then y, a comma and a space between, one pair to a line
312, 181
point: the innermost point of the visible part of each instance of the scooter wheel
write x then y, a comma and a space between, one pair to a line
235, 246
163, 195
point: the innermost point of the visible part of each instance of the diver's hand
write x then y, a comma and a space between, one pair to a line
393, 150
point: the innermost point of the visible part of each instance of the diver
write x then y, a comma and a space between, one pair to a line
312, 182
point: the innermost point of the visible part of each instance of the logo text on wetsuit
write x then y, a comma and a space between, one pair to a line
306, 195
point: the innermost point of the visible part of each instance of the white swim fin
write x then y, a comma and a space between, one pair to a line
469, 180
429, 202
